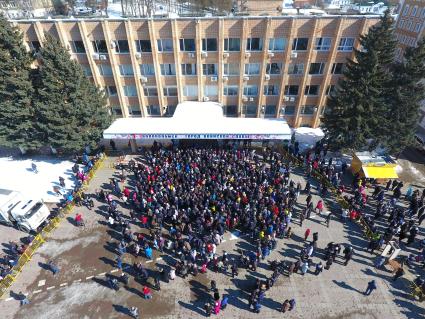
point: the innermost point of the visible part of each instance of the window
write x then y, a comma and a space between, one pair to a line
99, 46
250, 110
230, 90
277, 44
300, 44
308, 109
170, 91
168, 69
147, 69
337, 68
209, 69
270, 111
190, 90
165, 45
273, 68
316, 68
346, 44
414, 10
250, 90
252, 68
231, 110
134, 110
105, 69
231, 69
153, 110
291, 90
290, 110
126, 69
418, 27
409, 25
296, 68
34, 45
423, 13
210, 90
188, 69
111, 90
150, 91
400, 24
86, 69
209, 44
254, 44
187, 45
170, 110
323, 44
232, 44
77, 47
311, 90
271, 89
143, 46
121, 46
130, 90
116, 110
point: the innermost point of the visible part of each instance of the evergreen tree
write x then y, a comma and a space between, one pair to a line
357, 109
407, 94
16, 113
70, 110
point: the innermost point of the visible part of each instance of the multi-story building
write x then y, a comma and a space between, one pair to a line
410, 28
254, 66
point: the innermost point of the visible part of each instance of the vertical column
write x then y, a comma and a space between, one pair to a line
62, 36
114, 66
89, 51
242, 64
157, 66
135, 64
328, 76
38, 28
287, 60
200, 76
177, 60
264, 57
306, 74
220, 48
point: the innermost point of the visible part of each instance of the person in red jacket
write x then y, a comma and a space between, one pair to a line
307, 233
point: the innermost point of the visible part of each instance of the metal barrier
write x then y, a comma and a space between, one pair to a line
41, 237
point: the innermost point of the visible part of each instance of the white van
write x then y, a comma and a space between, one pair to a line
23, 213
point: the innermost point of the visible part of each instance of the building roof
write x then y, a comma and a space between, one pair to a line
368, 158
198, 120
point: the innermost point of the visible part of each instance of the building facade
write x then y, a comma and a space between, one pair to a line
277, 67
410, 28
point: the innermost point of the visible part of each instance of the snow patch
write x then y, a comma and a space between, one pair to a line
398, 169
16, 174
54, 247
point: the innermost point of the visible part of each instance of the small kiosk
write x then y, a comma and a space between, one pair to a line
196, 121
378, 167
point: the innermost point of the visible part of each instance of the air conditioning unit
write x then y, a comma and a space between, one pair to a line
225, 55
213, 79
225, 78
292, 99
143, 79
245, 98
95, 56
206, 99
113, 44
251, 99
138, 55
246, 78
204, 54
286, 98
294, 55
247, 55
191, 55
103, 57
271, 54
267, 77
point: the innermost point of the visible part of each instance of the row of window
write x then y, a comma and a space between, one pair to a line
210, 44
406, 40
228, 90
229, 110
415, 12
229, 69
410, 25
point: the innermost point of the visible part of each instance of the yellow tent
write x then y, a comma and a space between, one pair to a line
373, 166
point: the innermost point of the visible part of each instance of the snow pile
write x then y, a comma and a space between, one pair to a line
307, 137
16, 174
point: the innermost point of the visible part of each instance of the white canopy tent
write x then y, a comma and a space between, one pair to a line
198, 120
